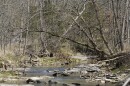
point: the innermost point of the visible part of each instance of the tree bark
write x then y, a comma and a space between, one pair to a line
124, 24
26, 35
70, 27
100, 29
42, 35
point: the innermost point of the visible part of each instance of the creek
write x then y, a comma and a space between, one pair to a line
61, 80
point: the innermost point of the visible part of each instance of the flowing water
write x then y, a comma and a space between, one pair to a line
68, 80
34, 72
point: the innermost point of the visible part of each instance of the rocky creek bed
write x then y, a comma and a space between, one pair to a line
81, 75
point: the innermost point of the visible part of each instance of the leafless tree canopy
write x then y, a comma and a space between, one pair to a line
97, 26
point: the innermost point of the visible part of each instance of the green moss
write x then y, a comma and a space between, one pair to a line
7, 73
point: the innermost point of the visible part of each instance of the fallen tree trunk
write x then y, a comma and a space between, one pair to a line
117, 60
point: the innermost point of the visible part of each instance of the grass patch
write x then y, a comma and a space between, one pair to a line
120, 69
7, 73
57, 61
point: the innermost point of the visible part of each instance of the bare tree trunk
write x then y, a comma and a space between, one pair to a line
10, 43
100, 53
128, 24
26, 35
21, 30
42, 35
4, 41
100, 29
1, 42
70, 27
124, 24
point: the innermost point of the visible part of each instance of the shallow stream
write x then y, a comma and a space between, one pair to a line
32, 72
62, 81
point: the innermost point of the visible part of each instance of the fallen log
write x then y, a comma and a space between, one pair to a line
117, 60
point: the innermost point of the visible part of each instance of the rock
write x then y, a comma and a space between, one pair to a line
111, 80
89, 68
65, 85
112, 76
55, 74
38, 81
36, 78
119, 84
18, 73
63, 74
85, 77
73, 70
52, 82
127, 71
51, 54
14, 85
60, 74
84, 72
103, 81
76, 84
33, 81
30, 81
2, 81
122, 76
49, 81
66, 63
126, 82
56, 71
98, 85
91, 71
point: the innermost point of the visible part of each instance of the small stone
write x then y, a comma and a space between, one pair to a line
30, 81
76, 84
38, 81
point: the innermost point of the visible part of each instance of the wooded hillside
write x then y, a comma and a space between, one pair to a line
98, 27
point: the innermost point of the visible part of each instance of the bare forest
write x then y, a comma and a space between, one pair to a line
38, 33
